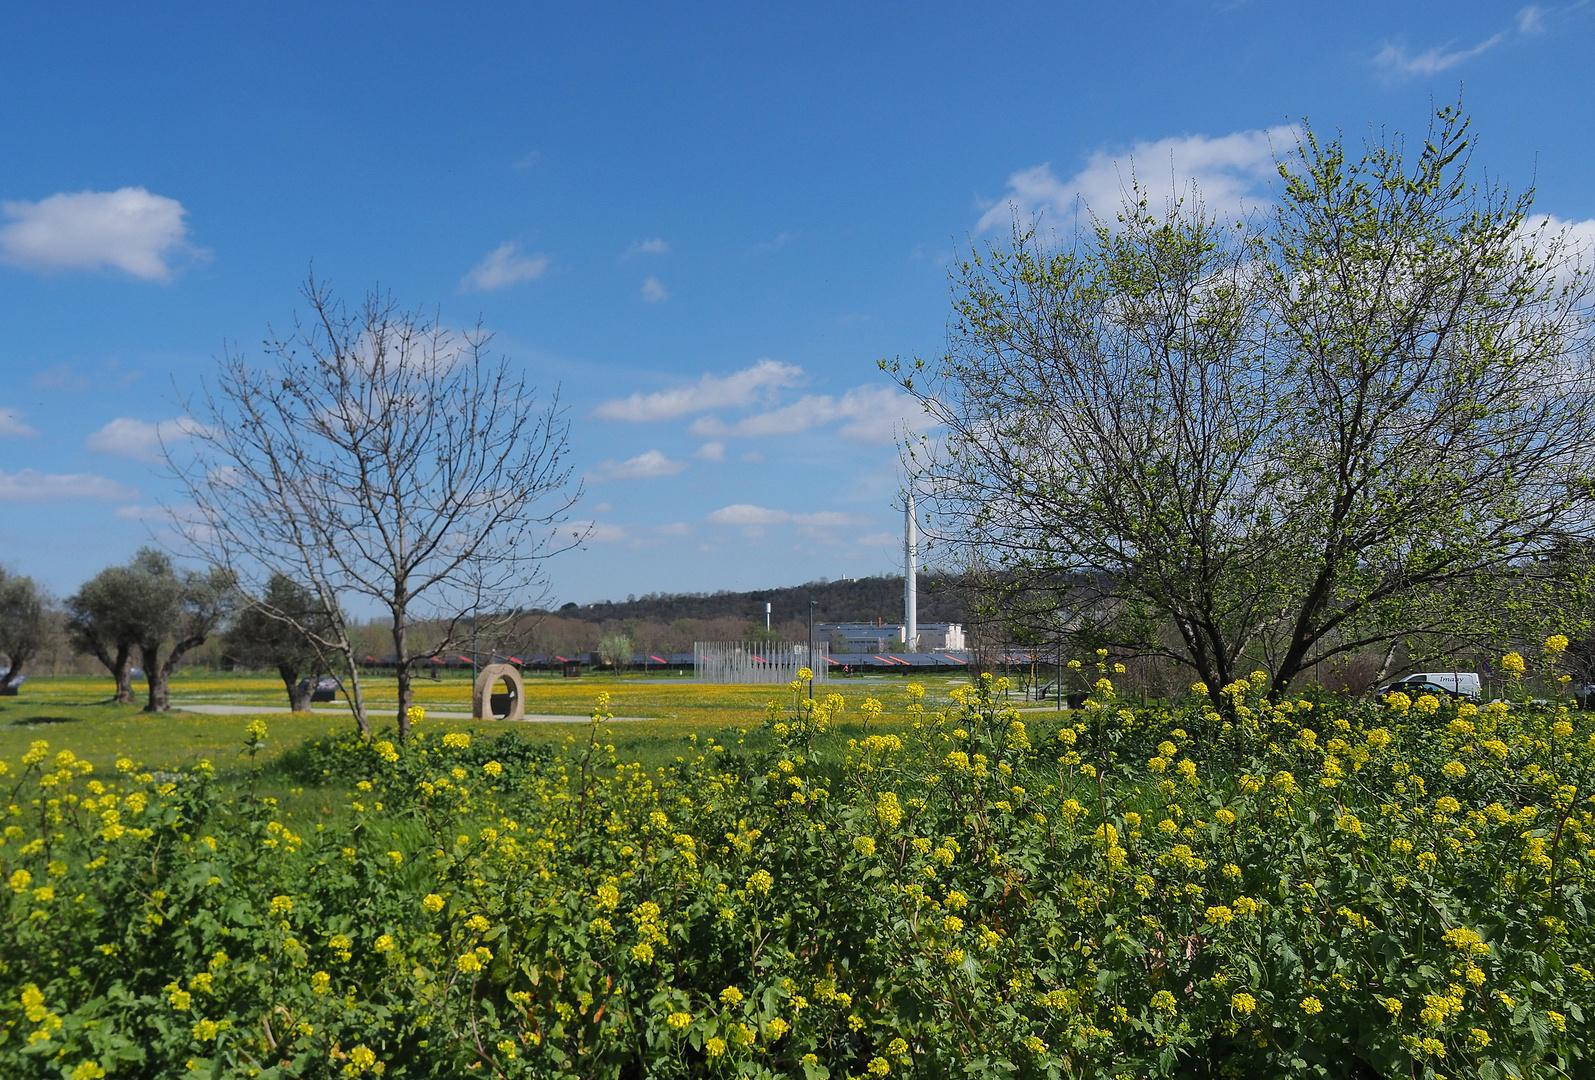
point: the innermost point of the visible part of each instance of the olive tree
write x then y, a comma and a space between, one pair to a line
1364, 418
267, 633
23, 625
101, 621
385, 463
151, 608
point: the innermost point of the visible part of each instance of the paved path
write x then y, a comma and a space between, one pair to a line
376, 714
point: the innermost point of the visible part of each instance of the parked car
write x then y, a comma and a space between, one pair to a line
327, 688
1462, 685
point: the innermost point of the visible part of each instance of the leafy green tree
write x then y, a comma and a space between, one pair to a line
1364, 418
616, 649
23, 627
267, 633
151, 607
101, 621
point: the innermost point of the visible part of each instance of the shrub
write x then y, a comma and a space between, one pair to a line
1262, 889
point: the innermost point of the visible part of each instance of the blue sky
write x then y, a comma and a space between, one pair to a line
705, 223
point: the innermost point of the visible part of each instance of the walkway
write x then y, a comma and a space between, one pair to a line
377, 713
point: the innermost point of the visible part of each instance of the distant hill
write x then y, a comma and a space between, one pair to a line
854, 600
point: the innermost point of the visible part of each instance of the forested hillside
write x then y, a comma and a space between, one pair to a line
853, 600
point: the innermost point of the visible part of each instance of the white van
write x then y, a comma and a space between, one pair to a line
1462, 684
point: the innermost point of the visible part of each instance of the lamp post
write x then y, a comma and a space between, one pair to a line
812, 604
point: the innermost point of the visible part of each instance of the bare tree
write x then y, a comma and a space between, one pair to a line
1363, 420
381, 461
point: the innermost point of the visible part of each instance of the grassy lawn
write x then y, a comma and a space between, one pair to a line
74, 713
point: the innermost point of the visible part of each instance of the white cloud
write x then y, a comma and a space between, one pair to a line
711, 451
674, 528
12, 427
649, 463
1566, 245
505, 266
1228, 170
653, 291
107, 376
30, 485
741, 388
778, 243
1531, 20
881, 539
593, 532
169, 514
1576, 237
140, 440
656, 246
747, 514
873, 415
129, 230
1395, 60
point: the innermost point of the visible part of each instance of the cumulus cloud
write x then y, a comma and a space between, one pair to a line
130, 229
1566, 246
141, 440
505, 265
649, 463
653, 291
12, 427
1394, 59
1229, 171
674, 528
656, 246
741, 388
711, 451
30, 485
872, 415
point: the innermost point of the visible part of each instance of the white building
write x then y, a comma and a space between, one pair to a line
885, 637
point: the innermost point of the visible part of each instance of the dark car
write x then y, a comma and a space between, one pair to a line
327, 688
1414, 688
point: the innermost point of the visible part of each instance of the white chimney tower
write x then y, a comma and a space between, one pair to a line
910, 575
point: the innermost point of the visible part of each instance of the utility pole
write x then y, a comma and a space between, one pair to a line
812, 604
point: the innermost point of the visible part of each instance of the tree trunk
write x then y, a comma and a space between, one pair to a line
401, 663
298, 693
158, 679
122, 671
17, 660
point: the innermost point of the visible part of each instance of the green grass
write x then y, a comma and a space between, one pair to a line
74, 713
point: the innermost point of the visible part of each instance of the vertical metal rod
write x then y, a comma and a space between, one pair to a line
811, 648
